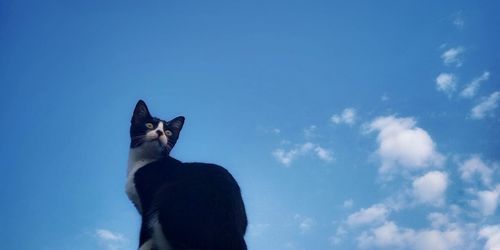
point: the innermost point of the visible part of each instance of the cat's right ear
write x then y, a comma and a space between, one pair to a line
141, 112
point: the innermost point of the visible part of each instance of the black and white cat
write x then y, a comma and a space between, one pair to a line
183, 205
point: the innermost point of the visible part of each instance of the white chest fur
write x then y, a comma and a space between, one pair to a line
138, 158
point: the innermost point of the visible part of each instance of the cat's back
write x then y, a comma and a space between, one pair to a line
204, 181
166, 173
206, 172
195, 201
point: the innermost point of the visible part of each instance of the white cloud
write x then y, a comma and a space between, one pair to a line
492, 236
453, 56
389, 235
431, 187
474, 166
446, 82
373, 214
403, 144
287, 157
439, 240
487, 106
348, 116
438, 220
487, 201
471, 89
108, 235
111, 240
340, 234
304, 223
310, 132
323, 154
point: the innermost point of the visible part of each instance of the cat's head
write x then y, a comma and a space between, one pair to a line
152, 133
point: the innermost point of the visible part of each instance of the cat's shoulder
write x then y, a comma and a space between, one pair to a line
202, 166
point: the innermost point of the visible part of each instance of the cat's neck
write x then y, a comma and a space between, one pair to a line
138, 158
142, 155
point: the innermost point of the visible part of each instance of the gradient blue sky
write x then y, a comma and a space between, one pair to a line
347, 124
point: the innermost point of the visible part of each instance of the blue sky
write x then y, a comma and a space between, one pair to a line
360, 125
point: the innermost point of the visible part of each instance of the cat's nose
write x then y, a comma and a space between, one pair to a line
159, 133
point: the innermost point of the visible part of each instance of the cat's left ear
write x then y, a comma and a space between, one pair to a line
141, 112
177, 123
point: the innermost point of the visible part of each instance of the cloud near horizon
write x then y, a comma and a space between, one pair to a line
390, 235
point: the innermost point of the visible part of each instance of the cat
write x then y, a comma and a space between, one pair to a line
182, 205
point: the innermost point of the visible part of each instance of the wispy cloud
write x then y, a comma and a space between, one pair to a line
487, 201
453, 56
471, 89
286, 157
438, 220
457, 20
305, 223
348, 116
339, 235
348, 203
446, 82
111, 240
373, 214
310, 132
430, 188
486, 106
403, 144
475, 166
323, 154
105, 234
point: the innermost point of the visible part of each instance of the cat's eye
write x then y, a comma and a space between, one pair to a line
149, 125
168, 133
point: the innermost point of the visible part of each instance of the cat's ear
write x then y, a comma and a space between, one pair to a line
177, 123
141, 112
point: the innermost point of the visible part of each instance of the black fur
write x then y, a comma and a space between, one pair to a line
199, 205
